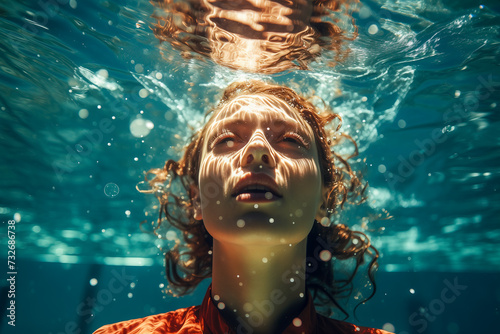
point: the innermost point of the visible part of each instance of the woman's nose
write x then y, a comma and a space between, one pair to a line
258, 151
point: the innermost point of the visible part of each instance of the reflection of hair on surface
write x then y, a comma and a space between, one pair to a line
257, 35
190, 263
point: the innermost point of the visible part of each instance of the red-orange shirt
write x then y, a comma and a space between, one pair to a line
207, 319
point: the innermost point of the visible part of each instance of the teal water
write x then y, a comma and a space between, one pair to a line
87, 103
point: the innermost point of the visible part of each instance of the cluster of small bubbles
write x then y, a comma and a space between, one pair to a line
93, 281
240, 223
412, 291
83, 113
264, 259
297, 322
271, 220
402, 123
268, 195
381, 168
388, 327
448, 128
141, 127
127, 213
325, 255
111, 189
325, 221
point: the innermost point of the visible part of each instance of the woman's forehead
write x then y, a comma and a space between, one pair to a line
262, 108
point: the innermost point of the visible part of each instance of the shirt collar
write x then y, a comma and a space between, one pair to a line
212, 320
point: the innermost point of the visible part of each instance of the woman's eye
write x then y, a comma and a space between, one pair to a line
294, 138
226, 139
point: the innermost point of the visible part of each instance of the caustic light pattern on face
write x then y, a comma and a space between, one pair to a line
258, 150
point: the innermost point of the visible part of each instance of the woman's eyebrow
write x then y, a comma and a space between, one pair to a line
292, 124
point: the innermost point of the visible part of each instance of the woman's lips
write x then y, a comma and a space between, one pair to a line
256, 197
256, 188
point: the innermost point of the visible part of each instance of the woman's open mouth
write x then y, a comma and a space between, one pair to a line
256, 188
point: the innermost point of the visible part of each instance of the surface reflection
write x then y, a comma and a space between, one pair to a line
257, 35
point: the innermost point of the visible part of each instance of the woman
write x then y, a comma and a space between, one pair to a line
263, 183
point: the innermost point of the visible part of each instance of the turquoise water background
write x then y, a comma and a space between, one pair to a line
88, 103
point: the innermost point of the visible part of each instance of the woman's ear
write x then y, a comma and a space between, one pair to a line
323, 204
194, 193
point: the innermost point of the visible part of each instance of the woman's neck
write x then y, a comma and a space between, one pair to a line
259, 288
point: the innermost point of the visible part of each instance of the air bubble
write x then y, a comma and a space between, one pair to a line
373, 29
83, 113
240, 223
325, 221
325, 255
388, 327
111, 190
93, 281
297, 322
141, 127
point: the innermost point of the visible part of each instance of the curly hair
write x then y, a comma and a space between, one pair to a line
187, 267
193, 28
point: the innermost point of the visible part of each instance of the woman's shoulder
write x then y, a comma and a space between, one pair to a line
185, 320
325, 325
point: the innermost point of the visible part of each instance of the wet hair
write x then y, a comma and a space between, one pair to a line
189, 263
185, 26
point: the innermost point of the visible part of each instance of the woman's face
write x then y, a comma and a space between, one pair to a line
259, 179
